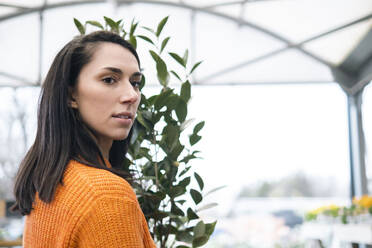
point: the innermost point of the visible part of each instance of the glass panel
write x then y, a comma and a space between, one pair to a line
221, 43
367, 124
336, 47
22, 39
230, 10
6, 10
59, 27
280, 150
289, 66
301, 19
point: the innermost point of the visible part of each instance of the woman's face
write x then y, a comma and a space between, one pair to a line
107, 92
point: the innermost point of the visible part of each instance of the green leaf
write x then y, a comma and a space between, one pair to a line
118, 22
184, 236
176, 75
199, 229
195, 66
143, 82
182, 246
215, 189
181, 201
184, 171
135, 132
177, 191
194, 138
171, 135
124, 34
149, 29
176, 210
144, 152
161, 26
147, 115
79, 26
181, 110
200, 241
164, 43
187, 158
141, 120
161, 100
178, 58
198, 127
152, 99
186, 124
176, 150
96, 24
112, 24
159, 215
161, 68
186, 91
172, 102
196, 196
209, 228
207, 206
121, 28
185, 182
185, 56
200, 180
191, 214
133, 27
145, 38
136, 147
133, 41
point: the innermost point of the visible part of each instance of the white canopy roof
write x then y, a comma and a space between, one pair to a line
247, 41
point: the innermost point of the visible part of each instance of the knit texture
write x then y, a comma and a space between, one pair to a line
94, 208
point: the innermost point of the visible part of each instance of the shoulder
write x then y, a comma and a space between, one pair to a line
95, 183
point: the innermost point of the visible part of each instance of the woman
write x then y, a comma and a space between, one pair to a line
70, 184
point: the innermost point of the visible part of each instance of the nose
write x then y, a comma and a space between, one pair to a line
128, 94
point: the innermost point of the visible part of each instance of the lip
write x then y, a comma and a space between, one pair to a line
124, 121
129, 114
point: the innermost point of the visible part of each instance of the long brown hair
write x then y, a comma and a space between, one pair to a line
61, 135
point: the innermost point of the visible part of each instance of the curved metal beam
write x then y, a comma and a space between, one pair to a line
234, 3
15, 77
13, 6
300, 44
174, 4
289, 44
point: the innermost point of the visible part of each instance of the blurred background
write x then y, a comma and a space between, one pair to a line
283, 89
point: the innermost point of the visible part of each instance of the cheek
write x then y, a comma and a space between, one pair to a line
139, 100
94, 106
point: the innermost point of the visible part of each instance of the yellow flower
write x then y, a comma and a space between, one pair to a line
364, 201
324, 208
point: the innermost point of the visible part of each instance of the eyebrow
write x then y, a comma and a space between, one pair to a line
120, 72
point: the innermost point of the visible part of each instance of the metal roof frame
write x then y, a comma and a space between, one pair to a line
208, 9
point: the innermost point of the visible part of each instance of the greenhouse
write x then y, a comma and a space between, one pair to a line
261, 115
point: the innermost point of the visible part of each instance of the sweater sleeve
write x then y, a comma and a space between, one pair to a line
113, 221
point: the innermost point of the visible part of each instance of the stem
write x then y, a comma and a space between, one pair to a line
156, 161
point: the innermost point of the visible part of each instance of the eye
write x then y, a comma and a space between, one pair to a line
136, 84
109, 80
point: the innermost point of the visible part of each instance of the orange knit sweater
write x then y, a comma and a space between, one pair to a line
94, 208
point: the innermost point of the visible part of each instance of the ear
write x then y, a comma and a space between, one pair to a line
72, 103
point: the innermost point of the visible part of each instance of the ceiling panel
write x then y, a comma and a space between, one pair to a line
222, 43
337, 46
301, 19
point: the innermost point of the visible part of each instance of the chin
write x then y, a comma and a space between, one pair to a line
121, 136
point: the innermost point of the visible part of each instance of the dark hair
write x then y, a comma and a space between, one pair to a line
61, 135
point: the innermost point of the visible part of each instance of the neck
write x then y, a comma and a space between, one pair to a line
105, 146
